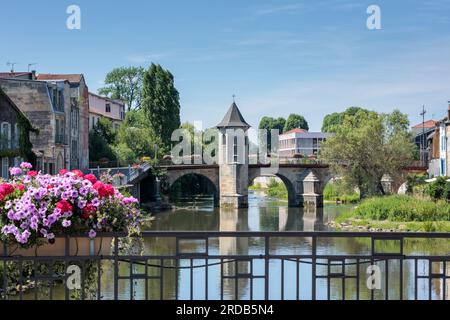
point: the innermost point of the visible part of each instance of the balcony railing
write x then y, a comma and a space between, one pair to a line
59, 138
240, 265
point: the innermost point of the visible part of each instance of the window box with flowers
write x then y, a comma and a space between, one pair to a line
40, 212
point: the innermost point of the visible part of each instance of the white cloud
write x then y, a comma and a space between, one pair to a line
145, 57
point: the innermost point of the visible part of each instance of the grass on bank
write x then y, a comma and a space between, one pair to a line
397, 212
338, 191
274, 189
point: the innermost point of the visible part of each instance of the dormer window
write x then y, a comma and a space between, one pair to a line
108, 107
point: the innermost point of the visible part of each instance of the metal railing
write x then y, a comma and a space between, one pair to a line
240, 265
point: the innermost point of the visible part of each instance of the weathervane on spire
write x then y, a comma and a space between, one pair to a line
234, 96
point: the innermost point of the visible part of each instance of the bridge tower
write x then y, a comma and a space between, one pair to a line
233, 159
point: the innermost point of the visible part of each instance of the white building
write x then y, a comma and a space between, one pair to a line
301, 142
103, 107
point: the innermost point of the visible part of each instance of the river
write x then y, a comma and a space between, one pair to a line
263, 214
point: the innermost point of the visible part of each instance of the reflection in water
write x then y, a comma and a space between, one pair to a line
178, 280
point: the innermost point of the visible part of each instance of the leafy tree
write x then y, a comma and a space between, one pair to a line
99, 148
332, 120
295, 121
366, 146
105, 129
161, 103
135, 139
269, 123
124, 84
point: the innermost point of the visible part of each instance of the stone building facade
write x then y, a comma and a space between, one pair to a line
13, 124
77, 120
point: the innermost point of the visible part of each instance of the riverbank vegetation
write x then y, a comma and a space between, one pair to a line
365, 146
398, 212
274, 189
338, 191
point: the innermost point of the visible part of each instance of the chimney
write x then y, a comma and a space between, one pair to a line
33, 74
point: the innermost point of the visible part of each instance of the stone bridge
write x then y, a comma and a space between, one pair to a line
304, 182
234, 173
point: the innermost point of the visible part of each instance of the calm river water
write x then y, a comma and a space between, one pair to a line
263, 214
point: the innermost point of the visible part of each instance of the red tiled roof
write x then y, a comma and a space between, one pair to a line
13, 74
426, 124
69, 77
296, 130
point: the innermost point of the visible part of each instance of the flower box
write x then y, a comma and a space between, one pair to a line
78, 246
38, 210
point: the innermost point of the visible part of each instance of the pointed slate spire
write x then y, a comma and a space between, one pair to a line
233, 119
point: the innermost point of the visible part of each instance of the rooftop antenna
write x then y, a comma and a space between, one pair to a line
31, 64
11, 64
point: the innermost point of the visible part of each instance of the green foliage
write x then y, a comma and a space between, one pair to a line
439, 189
269, 123
135, 139
99, 148
337, 118
105, 129
101, 141
413, 181
339, 191
295, 121
276, 189
367, 146
161, 103
403, 208
124, 84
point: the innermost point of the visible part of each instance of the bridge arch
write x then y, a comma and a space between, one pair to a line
207, 175
287, 181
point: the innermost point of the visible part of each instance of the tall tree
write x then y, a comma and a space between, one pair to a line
124, 84
135, 139
332, 120
161, 102
295, 121
269, 123
366, 146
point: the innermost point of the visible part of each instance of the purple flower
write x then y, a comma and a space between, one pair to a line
82, 204
95, 202
8, 205
92, 234
15, 171
66, 223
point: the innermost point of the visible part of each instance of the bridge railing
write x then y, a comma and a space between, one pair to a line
239, 265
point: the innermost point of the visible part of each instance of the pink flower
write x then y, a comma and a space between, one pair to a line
64, 206
63, 171
89, 210
6, 189
32, 173
15, 171
26, 165
90, 177
78, 173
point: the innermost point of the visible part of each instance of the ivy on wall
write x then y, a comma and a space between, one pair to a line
25, 147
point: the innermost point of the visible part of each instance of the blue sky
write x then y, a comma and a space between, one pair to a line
278, 57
